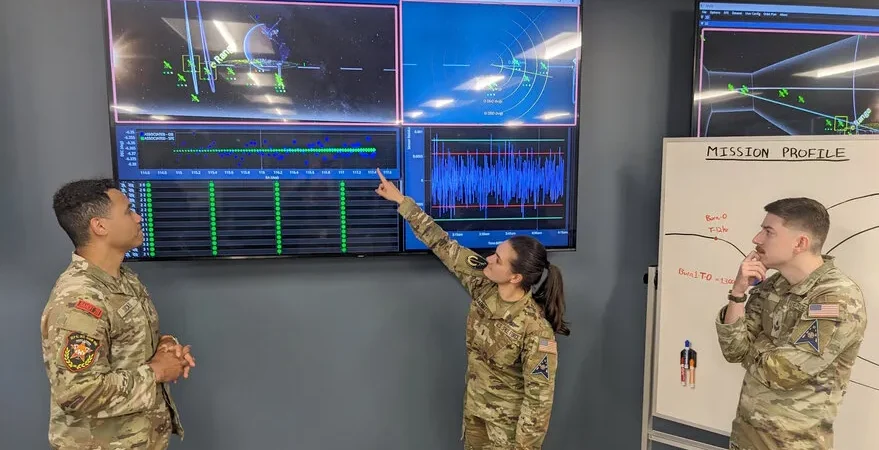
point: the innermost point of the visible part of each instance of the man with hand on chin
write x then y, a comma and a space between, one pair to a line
797, 333
107, 364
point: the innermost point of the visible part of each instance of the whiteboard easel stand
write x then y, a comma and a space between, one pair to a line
648, 434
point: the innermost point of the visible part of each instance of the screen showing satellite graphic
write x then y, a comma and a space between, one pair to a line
786, 70
521, 82
255, 129
254, 61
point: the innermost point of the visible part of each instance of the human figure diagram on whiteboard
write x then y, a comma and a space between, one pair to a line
797, 333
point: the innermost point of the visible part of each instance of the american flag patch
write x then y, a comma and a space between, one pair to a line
818, 310
547, 346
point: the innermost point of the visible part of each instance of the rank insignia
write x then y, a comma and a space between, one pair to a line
80, 352
542, 368
476, 261
810, 336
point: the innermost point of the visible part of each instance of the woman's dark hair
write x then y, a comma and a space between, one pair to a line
530, 262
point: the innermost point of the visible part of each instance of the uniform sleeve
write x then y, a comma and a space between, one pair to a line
539, 363
737, 338
83, 381
464, 263
829, 327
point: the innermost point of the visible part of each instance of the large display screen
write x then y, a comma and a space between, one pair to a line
254, 128
765, 70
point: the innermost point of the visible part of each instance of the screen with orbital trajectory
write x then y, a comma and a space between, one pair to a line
254, 128
764, 70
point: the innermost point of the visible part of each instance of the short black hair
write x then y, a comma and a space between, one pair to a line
804, 214
78, 202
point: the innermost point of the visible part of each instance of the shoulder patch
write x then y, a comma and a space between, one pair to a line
548, 346
810, 336
89, 308
80, 352
823, 310
476, 261
542, 368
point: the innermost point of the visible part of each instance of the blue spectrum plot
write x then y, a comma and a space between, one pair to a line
477, 64
515, 178
484, 185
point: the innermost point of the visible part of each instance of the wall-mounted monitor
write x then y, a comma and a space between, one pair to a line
764, 69
253, 128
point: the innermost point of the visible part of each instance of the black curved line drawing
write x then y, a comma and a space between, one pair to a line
865, 359
865, 385
853, 199
713, 238
852, 236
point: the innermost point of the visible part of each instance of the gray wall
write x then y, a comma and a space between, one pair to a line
331, 354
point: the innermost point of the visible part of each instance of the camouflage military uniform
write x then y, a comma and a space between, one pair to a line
98, 334
798, 344
511, 351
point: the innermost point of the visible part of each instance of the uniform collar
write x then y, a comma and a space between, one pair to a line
803, 287
96, 273
506, 310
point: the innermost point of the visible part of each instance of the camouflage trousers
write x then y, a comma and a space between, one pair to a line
480, 434
153, 437
746, 437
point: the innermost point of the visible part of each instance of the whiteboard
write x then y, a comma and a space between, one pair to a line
713, 194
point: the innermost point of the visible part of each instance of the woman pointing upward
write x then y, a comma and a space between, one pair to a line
517, 309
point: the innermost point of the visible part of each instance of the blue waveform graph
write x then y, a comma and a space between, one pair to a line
498, 179
241, 150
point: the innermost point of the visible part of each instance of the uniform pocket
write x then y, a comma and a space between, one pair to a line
769, 303
129, 332
504, 351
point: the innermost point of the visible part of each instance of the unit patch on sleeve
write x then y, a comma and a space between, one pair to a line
542, 368
476, 261
810, 336
80, 352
